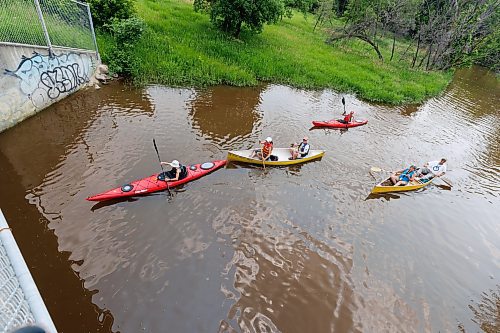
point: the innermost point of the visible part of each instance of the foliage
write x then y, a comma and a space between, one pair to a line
182, 48
120, 56
445, 34
126, 32
230, 15
104, 11
303, 6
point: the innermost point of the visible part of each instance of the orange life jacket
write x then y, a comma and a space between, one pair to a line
266, 149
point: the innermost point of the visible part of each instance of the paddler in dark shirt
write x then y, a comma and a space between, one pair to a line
178, 171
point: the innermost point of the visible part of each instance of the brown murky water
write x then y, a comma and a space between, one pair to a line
297, 249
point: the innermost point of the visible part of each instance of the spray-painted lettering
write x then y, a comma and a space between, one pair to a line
44, 78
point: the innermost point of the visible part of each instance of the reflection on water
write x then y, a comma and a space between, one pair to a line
276, 278
225, 114
487, 311
296, 249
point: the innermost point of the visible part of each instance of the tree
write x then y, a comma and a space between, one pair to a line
362, 19
443, 33
456, 32
104, 11
230, 15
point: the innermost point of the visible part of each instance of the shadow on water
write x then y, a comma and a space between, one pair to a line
386, 196
163, 193
102, 204
329, 131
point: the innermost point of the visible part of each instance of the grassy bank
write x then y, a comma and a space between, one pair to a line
181, 47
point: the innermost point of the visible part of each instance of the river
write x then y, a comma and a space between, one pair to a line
291, 249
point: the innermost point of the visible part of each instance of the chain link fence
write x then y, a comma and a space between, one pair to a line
48, 23
15, 310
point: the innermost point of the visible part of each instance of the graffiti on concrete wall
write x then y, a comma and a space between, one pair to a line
44, 78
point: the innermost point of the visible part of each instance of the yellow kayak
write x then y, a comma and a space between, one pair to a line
387, 186
282, 153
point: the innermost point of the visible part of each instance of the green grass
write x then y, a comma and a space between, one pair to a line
19, 23
182, 48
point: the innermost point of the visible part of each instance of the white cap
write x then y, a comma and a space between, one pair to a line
269, 139
175, 164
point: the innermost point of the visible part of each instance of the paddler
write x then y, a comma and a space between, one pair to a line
403, 177
178, 171
265, 152
300, 150
432, 169
347, 118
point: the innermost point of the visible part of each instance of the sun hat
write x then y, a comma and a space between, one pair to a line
175, 164
269, 139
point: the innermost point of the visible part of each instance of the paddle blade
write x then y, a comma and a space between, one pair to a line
447, 181
156, 148
343, 101
375, 169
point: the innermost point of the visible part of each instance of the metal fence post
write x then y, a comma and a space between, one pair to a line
93, 33
44, 27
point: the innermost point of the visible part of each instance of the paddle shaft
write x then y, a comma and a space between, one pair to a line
161, 165
262, 154
446, 181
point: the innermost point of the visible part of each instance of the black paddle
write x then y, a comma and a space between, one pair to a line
162, 171
343, 102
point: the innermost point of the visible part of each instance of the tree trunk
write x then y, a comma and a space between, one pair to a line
393, 46
362, 37
406, 51
422, 60
238, 30
428, 58
318, 20
416, 52
375, 47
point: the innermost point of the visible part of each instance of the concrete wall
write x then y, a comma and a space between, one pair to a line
30, 80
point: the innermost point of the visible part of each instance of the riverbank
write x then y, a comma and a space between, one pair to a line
181, 48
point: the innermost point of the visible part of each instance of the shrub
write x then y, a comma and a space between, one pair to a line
104, 11
126, 32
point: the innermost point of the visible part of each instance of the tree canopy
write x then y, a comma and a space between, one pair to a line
231, 15
445, 33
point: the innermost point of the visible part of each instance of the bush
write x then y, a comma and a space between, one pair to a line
126, 32
104, 11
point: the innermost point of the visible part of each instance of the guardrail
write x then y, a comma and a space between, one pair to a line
20, 301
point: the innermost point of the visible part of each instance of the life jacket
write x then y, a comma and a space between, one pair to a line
183, 174
173, 172
406, 175
348, 117
266, 149
303, 149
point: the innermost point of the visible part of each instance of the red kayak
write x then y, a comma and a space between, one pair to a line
153, 184
337, 124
